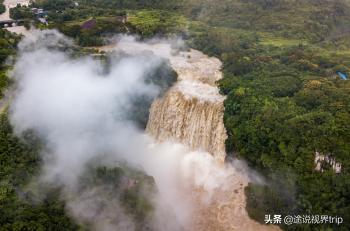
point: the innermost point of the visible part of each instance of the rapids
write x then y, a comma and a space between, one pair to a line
191, 112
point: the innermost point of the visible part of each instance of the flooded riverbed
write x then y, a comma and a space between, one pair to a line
6, 16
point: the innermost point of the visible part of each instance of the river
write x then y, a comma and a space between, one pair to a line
6, 16
191, 112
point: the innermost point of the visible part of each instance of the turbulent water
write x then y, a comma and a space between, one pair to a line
191, 112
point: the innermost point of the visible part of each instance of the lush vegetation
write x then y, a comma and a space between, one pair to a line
19, 12
8, 44
19, 209
284, 102
313, 19
285, 99
90, 21
2, 7
131, 188
19, 162
90, 32
22, 209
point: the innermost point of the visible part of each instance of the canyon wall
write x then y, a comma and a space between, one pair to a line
191, 113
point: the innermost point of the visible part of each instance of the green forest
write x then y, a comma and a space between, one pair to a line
2, 7
8, 43
285, 98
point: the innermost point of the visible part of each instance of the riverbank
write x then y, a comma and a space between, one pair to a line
191, 113
6, 16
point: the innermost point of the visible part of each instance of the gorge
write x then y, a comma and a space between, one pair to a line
191, 113
241, 122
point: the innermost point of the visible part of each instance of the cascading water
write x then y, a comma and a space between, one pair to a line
190, 121
191, 113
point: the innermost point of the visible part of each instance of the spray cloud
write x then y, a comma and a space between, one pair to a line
81, 114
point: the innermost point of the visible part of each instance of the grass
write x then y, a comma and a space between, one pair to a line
269, 40
149, 22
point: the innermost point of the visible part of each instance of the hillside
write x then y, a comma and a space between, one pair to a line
285, 98
317, 20
285, 101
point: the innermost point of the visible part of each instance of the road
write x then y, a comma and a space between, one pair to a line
6, 16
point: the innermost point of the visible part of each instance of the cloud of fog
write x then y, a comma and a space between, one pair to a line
80, 112
74, 107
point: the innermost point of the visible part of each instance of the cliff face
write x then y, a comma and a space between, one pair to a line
191, 112
189, 121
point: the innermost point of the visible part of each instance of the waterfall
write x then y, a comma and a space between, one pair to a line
191, 113
189, 121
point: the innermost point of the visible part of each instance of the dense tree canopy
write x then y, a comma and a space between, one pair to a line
285, 100
283, 104
2, 7
8, 43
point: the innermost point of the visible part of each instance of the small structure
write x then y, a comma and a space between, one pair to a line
39, 13
89, 24
11, 23
342, 75
122, 18
321, 160
43, 21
